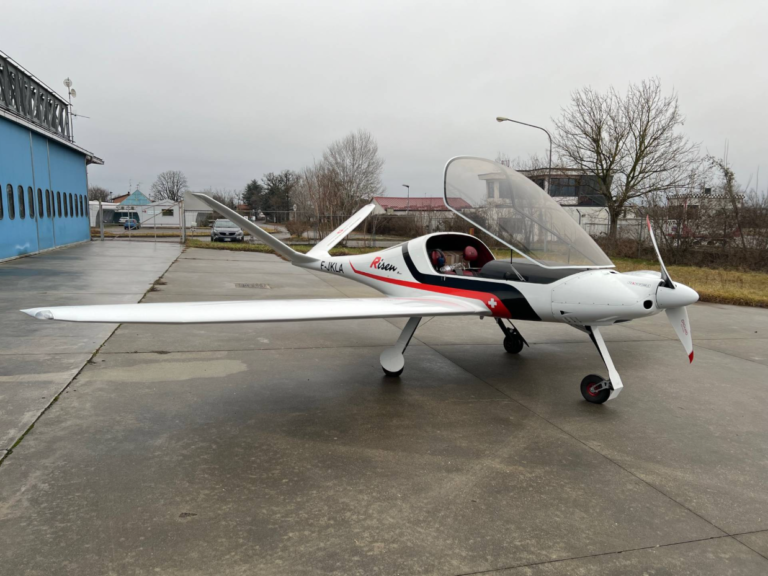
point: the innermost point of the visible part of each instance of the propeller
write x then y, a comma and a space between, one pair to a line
673, 298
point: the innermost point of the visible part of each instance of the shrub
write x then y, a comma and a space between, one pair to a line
297, 228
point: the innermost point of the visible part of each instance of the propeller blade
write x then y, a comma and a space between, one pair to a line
664, 274
678, 317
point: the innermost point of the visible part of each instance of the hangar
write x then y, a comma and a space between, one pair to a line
43, 174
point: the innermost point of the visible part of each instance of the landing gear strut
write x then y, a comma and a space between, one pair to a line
513, 340
392, 360
597, 389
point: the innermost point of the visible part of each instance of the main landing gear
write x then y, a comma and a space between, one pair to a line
513, 340
597, 389
392, 360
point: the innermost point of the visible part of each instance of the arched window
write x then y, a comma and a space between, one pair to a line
22, 208
66, 210
79, 202
31, 202
84, 206
48, 203
71, 206
40, 212
11, 205
2, 211
58, 204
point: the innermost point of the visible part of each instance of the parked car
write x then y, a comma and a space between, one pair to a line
131, 224
226, 231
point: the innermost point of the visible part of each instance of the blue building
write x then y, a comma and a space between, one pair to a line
43, 174
136, 198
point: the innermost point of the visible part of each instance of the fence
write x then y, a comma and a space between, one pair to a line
632, 238
110, 221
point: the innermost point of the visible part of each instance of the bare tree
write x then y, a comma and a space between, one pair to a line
348, 175
533, 162
630, 144
170, 185
227, 197
99, 193
729, 188
356, 167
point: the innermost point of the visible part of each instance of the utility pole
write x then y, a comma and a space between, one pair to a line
101, 221
408, 204
70, 94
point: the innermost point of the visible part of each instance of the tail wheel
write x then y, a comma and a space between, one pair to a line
389, 374
513, 344
594, 389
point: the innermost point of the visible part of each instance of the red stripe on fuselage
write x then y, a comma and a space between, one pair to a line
485, 297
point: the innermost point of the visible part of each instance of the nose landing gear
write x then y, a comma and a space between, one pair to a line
513, 340
597, 389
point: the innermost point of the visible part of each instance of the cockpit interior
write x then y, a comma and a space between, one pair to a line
461, 255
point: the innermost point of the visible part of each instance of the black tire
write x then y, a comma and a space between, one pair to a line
389, 374
513, 344
594, 397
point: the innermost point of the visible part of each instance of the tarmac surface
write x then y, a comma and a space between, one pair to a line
282, 449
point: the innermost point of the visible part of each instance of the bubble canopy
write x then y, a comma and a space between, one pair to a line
519, 214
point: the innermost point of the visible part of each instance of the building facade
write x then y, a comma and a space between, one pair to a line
43, 174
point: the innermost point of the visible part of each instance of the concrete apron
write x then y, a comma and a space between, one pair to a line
38, 360
282, 449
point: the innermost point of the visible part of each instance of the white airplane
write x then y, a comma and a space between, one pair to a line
556, 273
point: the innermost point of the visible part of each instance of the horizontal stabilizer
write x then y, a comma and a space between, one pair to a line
322, 247
261, 310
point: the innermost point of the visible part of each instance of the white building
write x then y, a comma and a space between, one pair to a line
161, 214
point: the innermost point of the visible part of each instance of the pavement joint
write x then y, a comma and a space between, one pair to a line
55, 399
729, 354
602, 554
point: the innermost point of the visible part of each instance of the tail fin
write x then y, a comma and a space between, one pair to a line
279, 247
322, 247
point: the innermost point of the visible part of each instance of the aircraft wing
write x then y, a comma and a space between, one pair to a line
261, 310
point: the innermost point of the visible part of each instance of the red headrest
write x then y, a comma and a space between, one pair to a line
434, 256
470, 254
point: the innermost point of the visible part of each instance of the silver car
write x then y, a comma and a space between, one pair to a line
226, 231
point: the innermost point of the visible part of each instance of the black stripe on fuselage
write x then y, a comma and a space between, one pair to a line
510, 296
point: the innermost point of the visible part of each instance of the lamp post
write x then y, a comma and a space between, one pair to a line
70, 94
408, 204
549, 172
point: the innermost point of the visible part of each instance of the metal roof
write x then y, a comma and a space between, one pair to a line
434, 204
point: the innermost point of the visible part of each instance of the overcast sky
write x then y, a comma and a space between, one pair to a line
227, 91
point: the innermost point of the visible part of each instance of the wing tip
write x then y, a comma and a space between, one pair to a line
690, 357
39, 313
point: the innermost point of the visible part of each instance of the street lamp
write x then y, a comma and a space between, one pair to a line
408, 205
549, 175
70, 94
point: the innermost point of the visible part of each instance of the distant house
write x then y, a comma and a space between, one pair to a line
160, 214
685, 210
135, 198
578, 194
402, 205
689, 206
569, 186
431, 213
